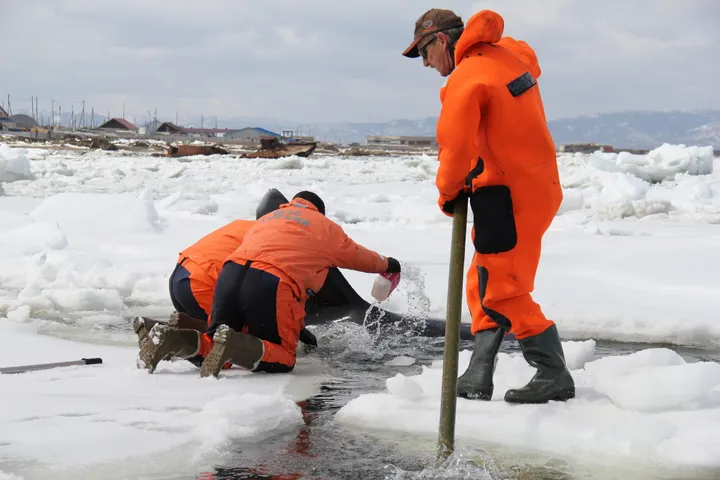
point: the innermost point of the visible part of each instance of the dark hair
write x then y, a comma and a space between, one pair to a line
312, 198
453, 36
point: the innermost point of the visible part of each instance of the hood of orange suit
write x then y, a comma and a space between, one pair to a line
487, 26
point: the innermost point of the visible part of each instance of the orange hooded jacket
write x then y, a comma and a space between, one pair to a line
492, 128
299, 244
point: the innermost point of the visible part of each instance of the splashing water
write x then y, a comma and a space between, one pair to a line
485, 464
456, 467
349, 342
374, 340
412, 288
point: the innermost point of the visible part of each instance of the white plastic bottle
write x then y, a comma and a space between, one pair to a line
384, 285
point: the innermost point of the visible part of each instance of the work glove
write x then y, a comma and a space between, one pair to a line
448, 206
308, 338
311, 304
386, 281
393, 266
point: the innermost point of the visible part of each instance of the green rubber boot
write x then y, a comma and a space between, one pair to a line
552, 380
477, 381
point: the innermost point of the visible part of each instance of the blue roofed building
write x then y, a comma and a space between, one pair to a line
250, 135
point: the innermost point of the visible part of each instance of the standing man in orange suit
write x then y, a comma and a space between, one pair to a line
496, 149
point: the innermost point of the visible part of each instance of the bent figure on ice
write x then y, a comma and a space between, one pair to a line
192, 283
495, 148
258, 306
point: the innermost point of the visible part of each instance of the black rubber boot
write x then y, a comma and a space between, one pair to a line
163, 342
552, 380
237, 348
477, 381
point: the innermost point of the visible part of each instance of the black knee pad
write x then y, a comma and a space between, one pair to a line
493, 219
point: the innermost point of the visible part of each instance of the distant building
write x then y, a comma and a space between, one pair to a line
585, 148
251, 135
288, 136
5, 122
171, 128
206, 132
410, 141
23, 121
118, 124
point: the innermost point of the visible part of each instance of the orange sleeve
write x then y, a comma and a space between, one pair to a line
457, 131
348, 254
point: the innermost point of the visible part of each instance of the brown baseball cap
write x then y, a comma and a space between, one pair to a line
432, 21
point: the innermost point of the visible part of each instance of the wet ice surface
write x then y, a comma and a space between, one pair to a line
325, 448
88, 240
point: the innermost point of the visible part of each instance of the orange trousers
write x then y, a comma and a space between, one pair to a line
257, 302
502, 273
192, 289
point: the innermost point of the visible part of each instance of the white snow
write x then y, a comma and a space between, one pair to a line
14, 165
620, 185
661, 164
115, 421
88, 240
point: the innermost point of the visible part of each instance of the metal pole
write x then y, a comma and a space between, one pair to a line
46, 366
448, 401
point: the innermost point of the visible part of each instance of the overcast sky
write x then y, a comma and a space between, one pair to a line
321, 61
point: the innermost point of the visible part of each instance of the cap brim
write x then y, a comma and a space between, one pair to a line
412, 50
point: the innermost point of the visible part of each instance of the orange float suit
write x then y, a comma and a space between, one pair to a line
264, 284
495, 147
192, 283
494, 142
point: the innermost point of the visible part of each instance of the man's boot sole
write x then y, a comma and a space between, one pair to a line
155, 348
142, 326
476, 395
559, 396
225, 342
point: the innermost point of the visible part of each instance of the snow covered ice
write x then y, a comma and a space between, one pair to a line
88, 241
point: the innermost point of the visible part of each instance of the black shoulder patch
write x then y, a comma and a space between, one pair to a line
521, 84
